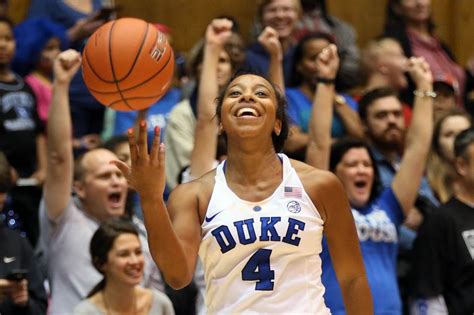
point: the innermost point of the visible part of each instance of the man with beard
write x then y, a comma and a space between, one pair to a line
381, 112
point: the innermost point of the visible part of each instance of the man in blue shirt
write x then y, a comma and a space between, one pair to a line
381, 111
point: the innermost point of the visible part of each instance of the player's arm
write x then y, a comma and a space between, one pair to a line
205, 135
418, 139
339, 229
59, 170
174, 233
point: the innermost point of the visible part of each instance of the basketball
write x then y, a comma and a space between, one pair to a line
127, 64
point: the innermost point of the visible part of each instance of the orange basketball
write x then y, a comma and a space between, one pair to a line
127, 64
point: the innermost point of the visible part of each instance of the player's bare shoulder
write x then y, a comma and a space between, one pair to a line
199, 187
320, 185
311, 177
195, 194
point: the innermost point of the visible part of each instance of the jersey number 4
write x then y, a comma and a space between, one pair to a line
258, 269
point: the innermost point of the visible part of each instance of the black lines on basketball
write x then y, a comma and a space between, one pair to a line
113, 68
170, 58
134, 99
127, 64
137, 54
86, 60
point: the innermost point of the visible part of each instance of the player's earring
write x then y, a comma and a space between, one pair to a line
277, 130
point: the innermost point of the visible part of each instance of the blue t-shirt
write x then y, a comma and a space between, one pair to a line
377, 226
258, 60
62, 13
59, 11
157, 115
387, 172
299, 111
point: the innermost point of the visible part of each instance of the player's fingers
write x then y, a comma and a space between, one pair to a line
142, 140
161, 156
155, 146
133, 146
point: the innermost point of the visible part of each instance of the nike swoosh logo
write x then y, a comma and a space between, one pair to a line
8, 260
209, 219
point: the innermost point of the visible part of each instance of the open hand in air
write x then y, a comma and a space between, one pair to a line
147, 174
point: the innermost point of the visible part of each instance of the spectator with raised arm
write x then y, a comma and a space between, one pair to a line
301, 95
316, 19
67, 222
282, 16
411, 23
378, 213
81, 19
182, 121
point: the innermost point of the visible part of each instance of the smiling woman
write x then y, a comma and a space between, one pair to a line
117, 254
255, 214
282, 16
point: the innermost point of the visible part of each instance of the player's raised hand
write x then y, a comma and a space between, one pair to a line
269, 40
218, 32
420, 72
327, 62
66, 65
147, 174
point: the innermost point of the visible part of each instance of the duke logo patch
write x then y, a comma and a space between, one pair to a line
293, 206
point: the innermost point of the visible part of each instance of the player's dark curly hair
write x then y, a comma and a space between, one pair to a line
278, 140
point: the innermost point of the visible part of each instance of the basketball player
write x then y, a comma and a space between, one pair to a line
257, 220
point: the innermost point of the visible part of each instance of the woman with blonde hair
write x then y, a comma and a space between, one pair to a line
440, 171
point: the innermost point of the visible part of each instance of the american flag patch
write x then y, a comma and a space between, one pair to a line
296, 192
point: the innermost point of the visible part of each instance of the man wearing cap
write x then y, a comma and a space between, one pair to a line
445, 88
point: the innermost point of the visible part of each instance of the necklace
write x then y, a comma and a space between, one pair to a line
108, 310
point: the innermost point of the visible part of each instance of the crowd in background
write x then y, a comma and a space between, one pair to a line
402, 144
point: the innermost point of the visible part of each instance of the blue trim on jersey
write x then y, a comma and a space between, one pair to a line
377, 226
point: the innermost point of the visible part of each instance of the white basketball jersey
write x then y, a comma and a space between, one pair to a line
263, 257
